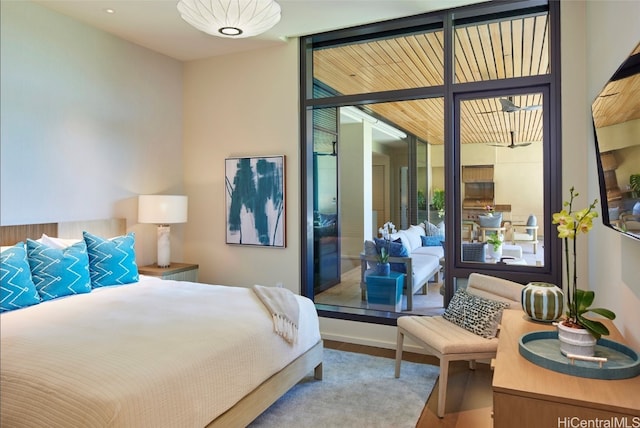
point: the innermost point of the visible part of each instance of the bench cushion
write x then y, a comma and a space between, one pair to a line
423, 266
430, 251
446, 337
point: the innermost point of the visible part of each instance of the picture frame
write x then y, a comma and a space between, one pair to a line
255, 201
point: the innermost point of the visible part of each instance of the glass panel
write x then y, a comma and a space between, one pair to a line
513, 47
502, 180
326, 243
372, 160
400, 62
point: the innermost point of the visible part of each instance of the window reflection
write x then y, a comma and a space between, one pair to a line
502, 180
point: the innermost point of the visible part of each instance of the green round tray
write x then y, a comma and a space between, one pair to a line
543, 349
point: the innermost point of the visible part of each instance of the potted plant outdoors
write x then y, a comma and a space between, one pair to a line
577, 333
422, 201
495, 242
384, 267
634, 185
437, 202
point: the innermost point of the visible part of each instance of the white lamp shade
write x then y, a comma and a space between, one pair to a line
230, 18
162, 209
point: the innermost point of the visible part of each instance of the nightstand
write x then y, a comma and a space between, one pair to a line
177, 271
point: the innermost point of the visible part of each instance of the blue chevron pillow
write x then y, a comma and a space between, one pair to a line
59, 272
111, 261
17, 289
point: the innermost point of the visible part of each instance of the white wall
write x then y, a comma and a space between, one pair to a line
614, 271
240, 105
87, 121
356, 200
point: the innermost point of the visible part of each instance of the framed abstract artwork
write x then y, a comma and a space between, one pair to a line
254, 192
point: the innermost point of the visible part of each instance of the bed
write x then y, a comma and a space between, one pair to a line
149, 353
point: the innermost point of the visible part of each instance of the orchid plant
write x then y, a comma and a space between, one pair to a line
386, 231
570, 225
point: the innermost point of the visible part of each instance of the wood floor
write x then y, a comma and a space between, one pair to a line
469, 396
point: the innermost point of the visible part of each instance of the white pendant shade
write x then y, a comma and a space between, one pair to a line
230, 18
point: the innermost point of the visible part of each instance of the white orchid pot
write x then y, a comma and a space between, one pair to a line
576, 341
495, 254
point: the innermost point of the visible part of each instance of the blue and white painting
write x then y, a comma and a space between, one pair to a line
255, 201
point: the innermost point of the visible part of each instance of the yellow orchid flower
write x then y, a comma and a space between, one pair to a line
566, 231
570, 224
562, 218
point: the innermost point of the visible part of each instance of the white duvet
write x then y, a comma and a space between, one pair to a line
152, 354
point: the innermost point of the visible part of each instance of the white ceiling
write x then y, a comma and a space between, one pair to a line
156, 24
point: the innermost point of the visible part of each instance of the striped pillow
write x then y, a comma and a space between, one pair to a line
17, 289
111, 261
59, 272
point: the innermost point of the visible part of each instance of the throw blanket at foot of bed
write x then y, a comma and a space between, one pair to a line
283, 307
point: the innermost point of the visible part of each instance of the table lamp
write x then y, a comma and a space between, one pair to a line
162, 210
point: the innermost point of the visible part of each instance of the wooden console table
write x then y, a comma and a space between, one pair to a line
529, 396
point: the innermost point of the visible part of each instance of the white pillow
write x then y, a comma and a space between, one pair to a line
403, 238
413, 239
3, 248
419, 229
431, 229
59, 243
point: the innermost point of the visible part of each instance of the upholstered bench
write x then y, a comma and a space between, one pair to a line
451, 342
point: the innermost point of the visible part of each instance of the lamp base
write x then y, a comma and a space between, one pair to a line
164, 246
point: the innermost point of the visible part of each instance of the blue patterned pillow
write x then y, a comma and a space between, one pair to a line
396, 249
111, 261
17, 289
59, 272
431, 241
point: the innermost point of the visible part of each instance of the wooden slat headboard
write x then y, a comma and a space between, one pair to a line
10, 235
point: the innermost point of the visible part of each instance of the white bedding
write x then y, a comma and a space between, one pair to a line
152, 354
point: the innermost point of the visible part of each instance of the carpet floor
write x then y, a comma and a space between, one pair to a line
357, 390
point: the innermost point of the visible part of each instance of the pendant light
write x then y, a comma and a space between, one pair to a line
230, 18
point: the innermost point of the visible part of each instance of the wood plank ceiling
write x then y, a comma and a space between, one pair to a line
508, 48
613, 104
